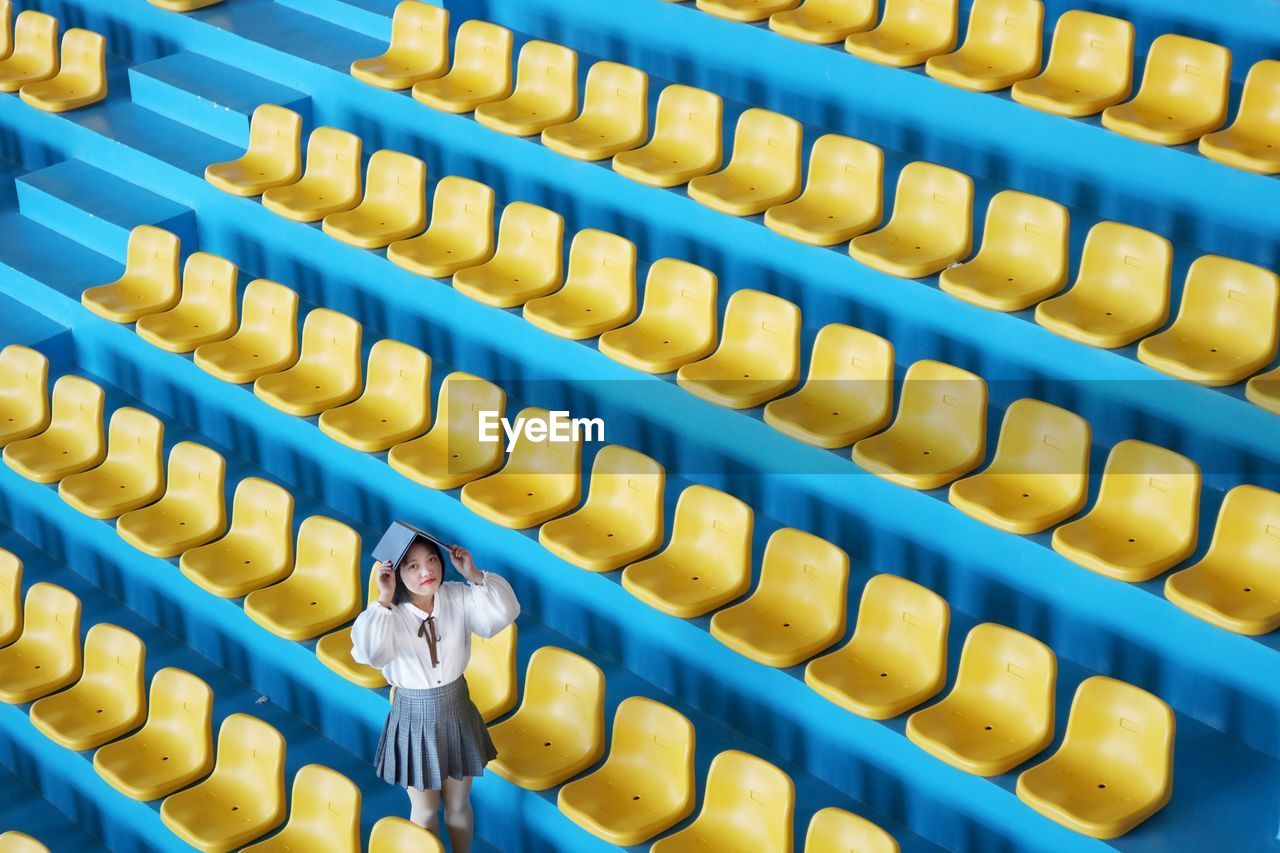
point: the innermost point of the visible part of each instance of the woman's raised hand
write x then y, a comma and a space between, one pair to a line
461, 559
386, 583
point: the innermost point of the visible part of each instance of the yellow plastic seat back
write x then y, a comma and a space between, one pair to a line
1226, 328
897, 657
614, 117
1114, 768
1183, 94
999, 712
764, 170
396, 403
758, 357
1090, 66
205, 312
599, 293
646, 783
10, 597
46, 657
24, 400
452, 452
183, 5
256, 551
35, 51
677, 322
491, 673
1252, 142
825, 21
273, 158
460, 234
132, 474
558, 730
394, 206
331, 182
835, 830
81, 79
931, 226
397, 835
546, 92
107, 701
909, 32
324, 815
1235, 586
419, 48
748, 804
842, 198
6, 28
481, 70
686, 140
1001, 47
72, 442
192, 511
14, 841
327, 373
324, 589
939, 433
1121, 292
266, 341
744, 10
150, 282
1145, 519
527, 262
797, 610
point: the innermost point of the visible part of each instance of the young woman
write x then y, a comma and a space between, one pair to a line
418, 633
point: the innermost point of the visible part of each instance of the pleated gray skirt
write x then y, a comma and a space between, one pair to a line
431, 735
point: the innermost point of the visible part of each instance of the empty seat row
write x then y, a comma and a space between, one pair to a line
1183, 96
30, 63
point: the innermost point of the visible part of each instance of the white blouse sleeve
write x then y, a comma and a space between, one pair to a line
490, 606
372, 636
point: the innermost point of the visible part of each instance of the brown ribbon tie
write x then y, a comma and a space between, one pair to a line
427, 630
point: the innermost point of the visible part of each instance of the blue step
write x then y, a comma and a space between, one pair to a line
98, 209
23, 809
367, 17
208, 95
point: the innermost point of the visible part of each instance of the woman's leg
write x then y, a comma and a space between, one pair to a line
425, 809
458, 818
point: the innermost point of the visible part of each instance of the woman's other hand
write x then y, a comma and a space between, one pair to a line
461, 559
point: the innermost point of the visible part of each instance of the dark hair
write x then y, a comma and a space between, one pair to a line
402, 592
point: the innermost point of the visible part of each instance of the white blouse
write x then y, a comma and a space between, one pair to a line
388, 638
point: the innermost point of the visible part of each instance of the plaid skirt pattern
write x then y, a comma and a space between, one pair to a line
431, 735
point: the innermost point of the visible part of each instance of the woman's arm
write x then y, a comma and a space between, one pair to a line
372, 636
488, 600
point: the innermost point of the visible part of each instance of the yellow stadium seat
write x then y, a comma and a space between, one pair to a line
205, 312
132, 474
35, 51
825, 21
14, 841
397, 835
150, 283
599, 293
1264, 390
322, 592
526, 264
1235, 586
614, 117
540, 480
1090, 67
242, 799
73, 440
1039, 475
842, 197
273, 158
545, 94
931, 226
81, 79
256, 551
685, 143
763, 171
266, 342
748, 804
481, 70
758, 358
1252, 142
330, 184
108, 700
745, 10
645, 785
191, 512
708, 561
394, 206
1183, 94
172, 749
1115, 766
798, 608
460, 234
396, 403
334, 650
558, 730
909, 32
419, 48
326, 375
940, 433
1145, 519
1023, 257
24, 399
10, 597
897, 657
451, 453
491, 673
1121, 292
621, 519
999, 712
183, 5
677, 322
1226, 326
46, 656
1001, 47
835, 830
848, 394
324, 814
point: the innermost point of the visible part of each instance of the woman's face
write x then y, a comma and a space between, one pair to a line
421, 570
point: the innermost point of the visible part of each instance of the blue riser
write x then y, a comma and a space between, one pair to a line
26, 811
367, 17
